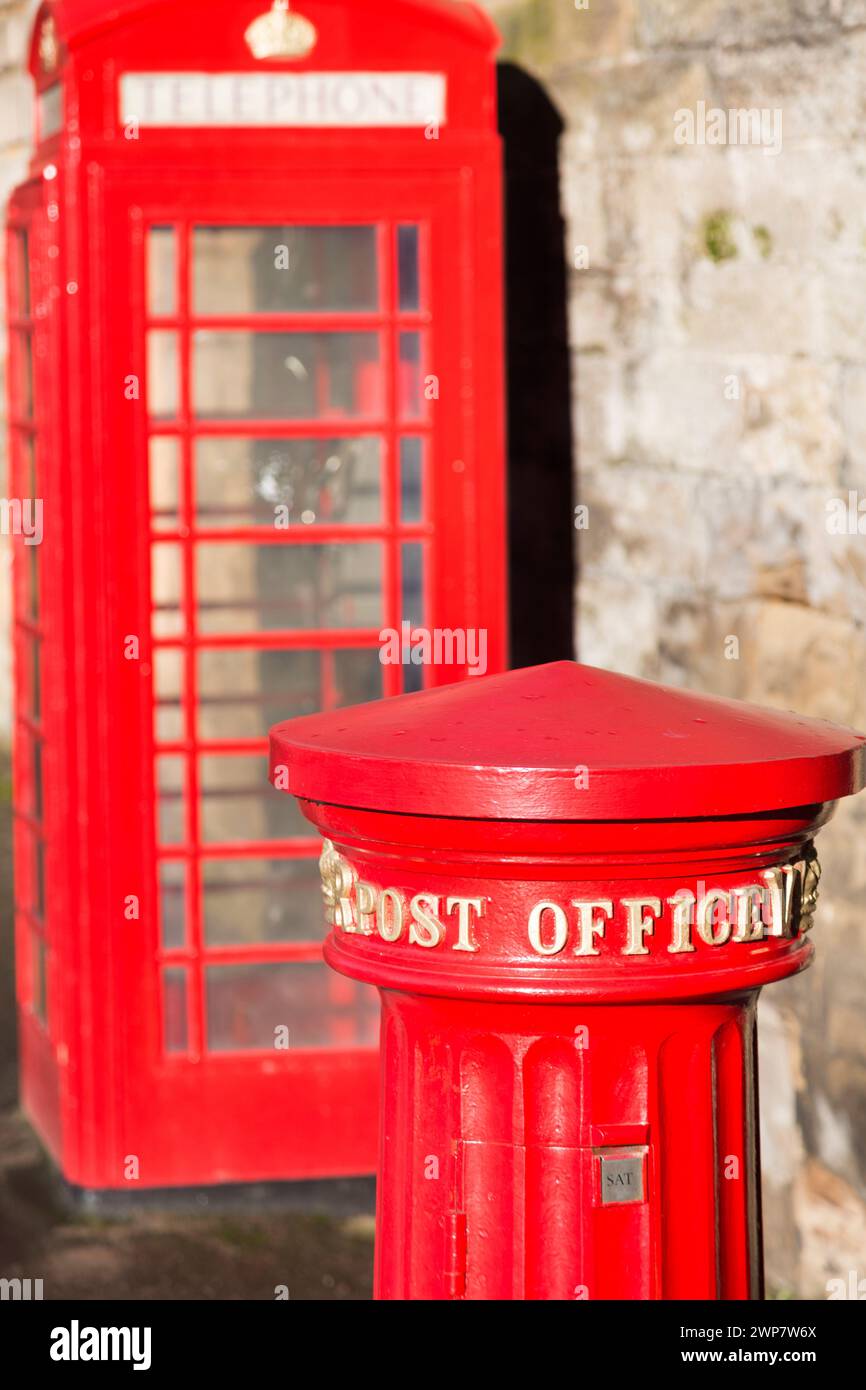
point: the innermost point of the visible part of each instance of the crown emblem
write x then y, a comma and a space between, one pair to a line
811, 877
281, 34
338, 882
48, 45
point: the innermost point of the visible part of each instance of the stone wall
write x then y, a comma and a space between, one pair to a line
717, 300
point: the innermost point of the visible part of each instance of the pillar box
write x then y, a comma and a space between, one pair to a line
569, 887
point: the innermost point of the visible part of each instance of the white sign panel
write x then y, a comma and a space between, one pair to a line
319, 99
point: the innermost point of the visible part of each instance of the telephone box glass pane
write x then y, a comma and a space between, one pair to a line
27, 466
30, 790
39, 878
411, 479
413, 583
171, 782
174, 1006
35, 691
166, 588
163, 374
38, 778
162, 270
21, 274
352, 677
288, 482
253, 588
168, 670
286, 376
164, 482
238, 691
251, 901
287, 1005
50, 108
243, 693
40, 977
238, 802
412, 604
408, 281
279, 270
409, 378
22, 346
172, 903
33, 589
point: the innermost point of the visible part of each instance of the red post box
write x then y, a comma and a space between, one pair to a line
569, 887
256, 382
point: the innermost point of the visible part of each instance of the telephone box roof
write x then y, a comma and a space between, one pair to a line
77, 19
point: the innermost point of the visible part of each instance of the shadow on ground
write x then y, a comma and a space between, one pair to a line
202, 1246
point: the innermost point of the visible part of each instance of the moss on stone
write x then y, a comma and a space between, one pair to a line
763, 240
528, 32
718, 237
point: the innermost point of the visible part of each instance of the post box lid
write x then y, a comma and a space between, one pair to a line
565, 742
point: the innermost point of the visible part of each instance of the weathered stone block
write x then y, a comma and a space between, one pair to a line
599, 410
645, 524
746, 307
735, 23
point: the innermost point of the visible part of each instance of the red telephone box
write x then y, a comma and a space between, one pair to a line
256, 345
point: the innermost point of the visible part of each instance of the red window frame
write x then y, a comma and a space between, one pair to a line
25, 258
388, 321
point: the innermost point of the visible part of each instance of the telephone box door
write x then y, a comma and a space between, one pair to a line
293, 396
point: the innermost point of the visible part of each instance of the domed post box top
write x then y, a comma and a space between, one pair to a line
512, 746
565, 832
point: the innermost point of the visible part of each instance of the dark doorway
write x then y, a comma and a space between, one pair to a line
540, 462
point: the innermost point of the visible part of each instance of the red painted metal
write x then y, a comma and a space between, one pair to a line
120, 1062
645, 745
569, 962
